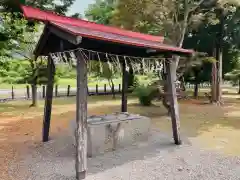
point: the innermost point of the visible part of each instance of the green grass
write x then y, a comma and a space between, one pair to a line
64, 82
92, 81
9, 86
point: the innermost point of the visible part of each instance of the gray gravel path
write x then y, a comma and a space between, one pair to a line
157, 159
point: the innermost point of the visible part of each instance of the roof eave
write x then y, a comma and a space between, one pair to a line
50, 29
42, 41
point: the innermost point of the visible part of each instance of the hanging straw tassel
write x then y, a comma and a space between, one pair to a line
157, 66
162, 65
54, 58
100, 63
139, 65
65, 58
152, 66
73, 58
127, 67
119, 64
144, 66
113, 61
109, 63
60, 56
134, 67
69, 59
84, 56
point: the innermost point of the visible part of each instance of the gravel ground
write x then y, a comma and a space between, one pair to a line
156, 159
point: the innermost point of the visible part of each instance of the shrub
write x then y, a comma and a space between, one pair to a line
144, 94
136, 83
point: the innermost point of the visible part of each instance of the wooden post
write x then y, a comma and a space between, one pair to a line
214, 83
113, 90
68, 90
174, 109
28, 92
81, 118
105, 88
43, 91
48, 99
219, 55
96, 89
124, 87
56, 90
119, 88
13, 96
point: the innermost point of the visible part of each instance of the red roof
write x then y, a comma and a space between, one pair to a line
100, 32
34, 13
111, 37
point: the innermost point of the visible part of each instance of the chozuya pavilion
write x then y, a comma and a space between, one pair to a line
78, 41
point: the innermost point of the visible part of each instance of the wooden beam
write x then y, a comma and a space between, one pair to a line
81, 118
48, 100
73, 39
124, 87
174, 109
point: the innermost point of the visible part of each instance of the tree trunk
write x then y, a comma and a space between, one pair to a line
195, 94
179, 43
33, 63
34, 95
111, 84
239, 86
183, 87
219, 49
213, 83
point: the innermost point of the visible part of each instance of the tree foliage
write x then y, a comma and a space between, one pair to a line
13, 26
105, 70
60, 6
11, 33
101, 11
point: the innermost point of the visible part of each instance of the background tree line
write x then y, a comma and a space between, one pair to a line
209, 26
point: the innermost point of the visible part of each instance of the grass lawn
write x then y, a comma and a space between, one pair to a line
64, 82
209, 126
91, 83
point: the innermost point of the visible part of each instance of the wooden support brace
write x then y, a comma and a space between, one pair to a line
81, 118
174, 109
48, 100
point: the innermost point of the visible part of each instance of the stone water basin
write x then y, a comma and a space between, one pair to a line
112, 131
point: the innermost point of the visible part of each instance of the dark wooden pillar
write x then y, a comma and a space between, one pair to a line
48, 100
124, 87
174, 109
81, 118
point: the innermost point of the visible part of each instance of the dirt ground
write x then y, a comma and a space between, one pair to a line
206, 125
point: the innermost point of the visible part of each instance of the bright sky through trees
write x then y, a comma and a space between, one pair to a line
80, 6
